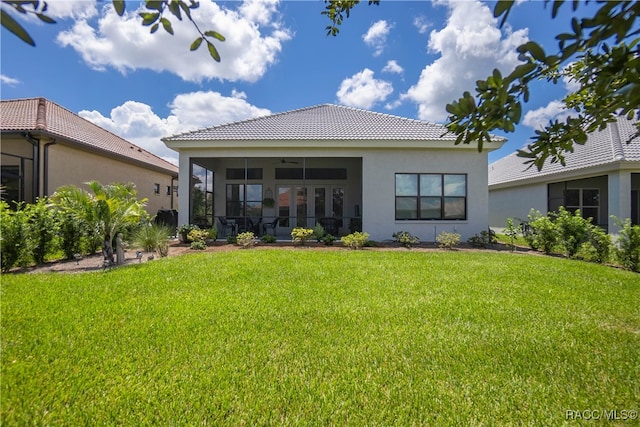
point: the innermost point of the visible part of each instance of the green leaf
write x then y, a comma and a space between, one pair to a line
452, 108
503, 6
45, 18
521, 71
196, 44
213, 51
119, 6
536, 51
215, 35
174, 8
149, 18
556, 6
166, 24
12, 25
154, 4
185, 9
154, 28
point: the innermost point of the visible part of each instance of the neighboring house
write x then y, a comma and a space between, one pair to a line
345, 168
45, 146
601, 178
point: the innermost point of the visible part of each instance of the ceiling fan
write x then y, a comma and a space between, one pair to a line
284, 161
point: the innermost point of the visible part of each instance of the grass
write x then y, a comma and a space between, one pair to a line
321, 338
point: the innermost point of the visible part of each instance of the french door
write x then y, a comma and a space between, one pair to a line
300, 206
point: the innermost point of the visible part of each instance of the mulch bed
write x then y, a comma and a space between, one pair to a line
95, 262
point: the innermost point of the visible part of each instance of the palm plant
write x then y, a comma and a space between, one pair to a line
110, 208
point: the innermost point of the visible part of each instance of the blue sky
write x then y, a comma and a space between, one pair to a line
407, 58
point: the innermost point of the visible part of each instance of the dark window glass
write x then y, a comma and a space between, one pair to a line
431, 196
238, 173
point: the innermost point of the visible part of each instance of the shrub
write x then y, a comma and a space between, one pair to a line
573, 231
198, 239
319, 232
405, 238
213, 233
355, 240
448, 240
300, 235
42, 225
153, 238
599, 245
74, 234
484, 239
184, 229
232, 240
13, 235
328, 239
542, 232
197, 235
198, 245
268, 238
512, 232
246, 239
628, 245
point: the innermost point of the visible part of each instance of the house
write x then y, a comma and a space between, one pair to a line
346, 168
601, 178
45, 146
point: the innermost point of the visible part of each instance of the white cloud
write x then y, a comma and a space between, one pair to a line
421, 23
138, 123
376, 36
393, 67
470, 46
362, 90
61, 9
9, 81
253, 33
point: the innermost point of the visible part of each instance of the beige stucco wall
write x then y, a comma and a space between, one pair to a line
68, 165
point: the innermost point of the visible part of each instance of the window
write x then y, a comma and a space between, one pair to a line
431, 196
238, 173
202, 196
585, 199
312, 173
244, 200
156, 188
168, 190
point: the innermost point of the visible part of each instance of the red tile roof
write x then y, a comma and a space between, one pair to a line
42, 115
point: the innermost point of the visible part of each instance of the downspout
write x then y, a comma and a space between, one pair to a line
45, 178
35, 143
172, 187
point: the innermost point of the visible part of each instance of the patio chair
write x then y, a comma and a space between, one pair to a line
226, 225
270, 225
330, 225
244, 224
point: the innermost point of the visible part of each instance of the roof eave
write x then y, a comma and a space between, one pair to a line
82, 146
569, 174
177, 145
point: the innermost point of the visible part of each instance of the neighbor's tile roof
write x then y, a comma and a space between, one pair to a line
611, 145
42, 115
322, 122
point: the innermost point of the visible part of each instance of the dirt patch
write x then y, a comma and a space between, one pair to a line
95, 262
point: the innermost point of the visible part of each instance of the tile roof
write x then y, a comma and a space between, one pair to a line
321, 122
613, 144
42, 115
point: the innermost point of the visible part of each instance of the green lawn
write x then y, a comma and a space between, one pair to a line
290, 337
